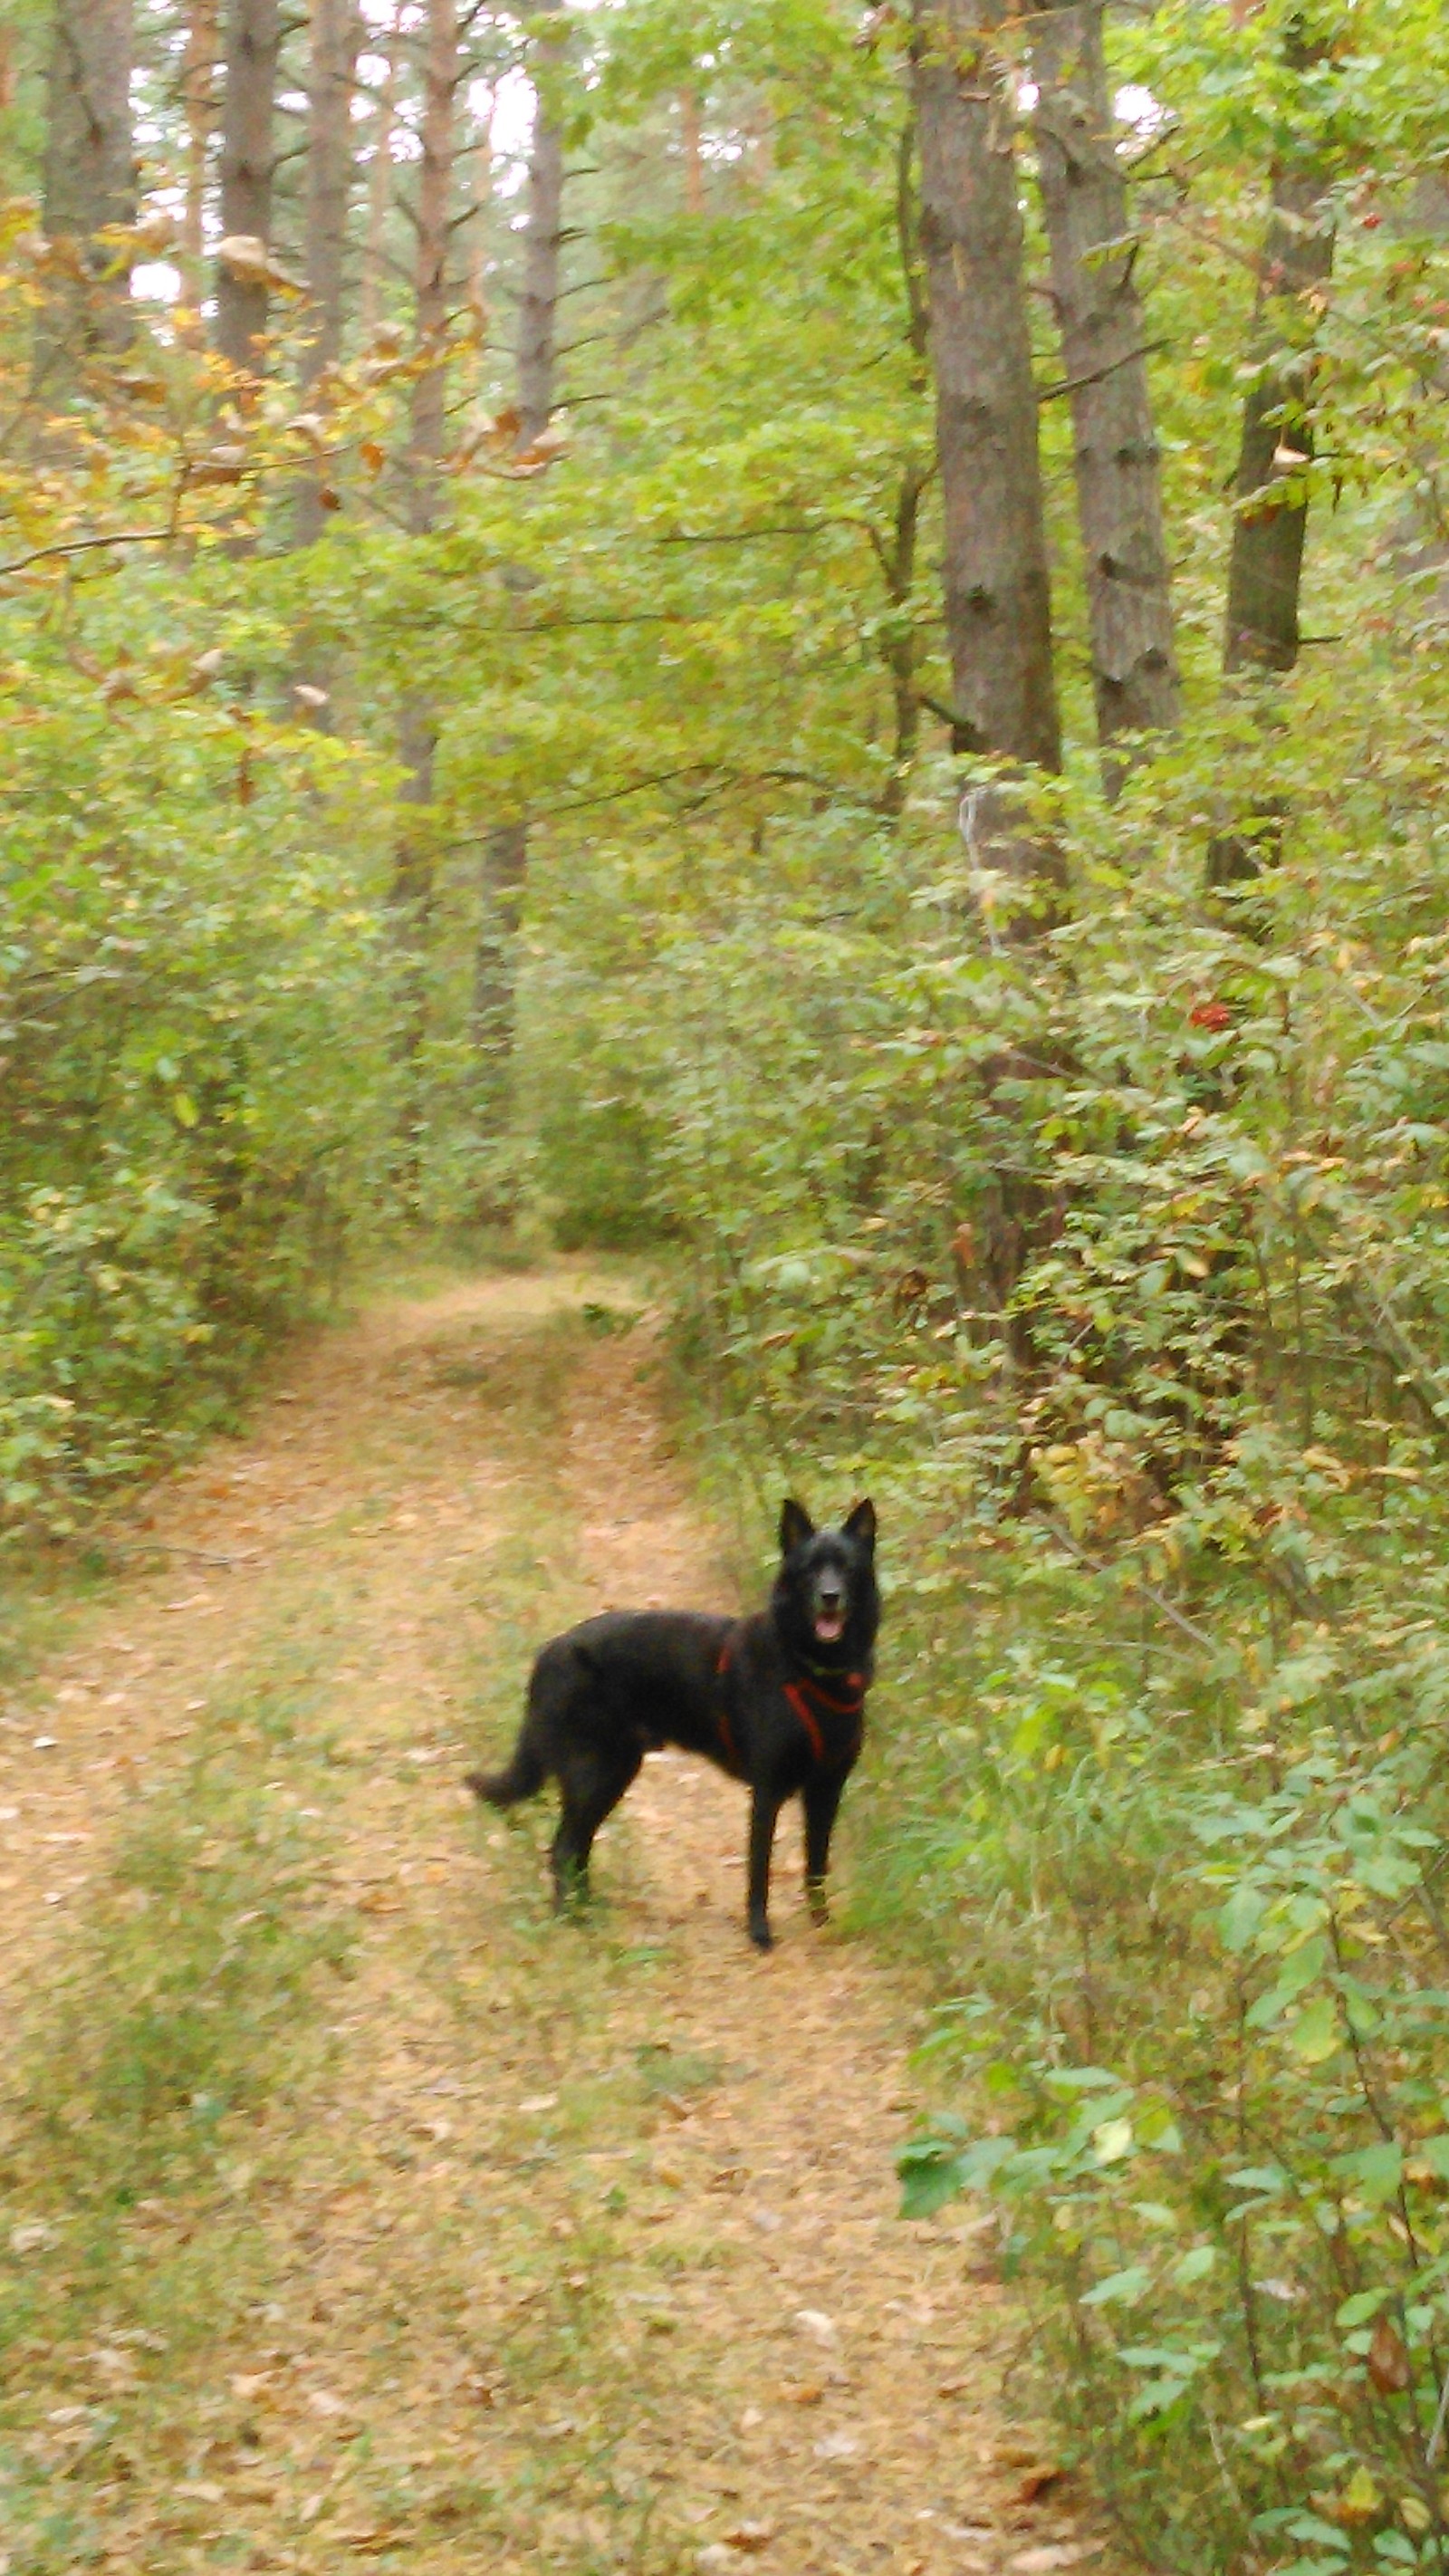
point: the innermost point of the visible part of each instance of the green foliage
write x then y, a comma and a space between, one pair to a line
195, 1067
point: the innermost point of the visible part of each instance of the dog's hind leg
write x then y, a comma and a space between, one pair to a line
764, 1810
822, 1799
592, 1783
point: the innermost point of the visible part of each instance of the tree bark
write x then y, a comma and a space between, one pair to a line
997, 586
253, 37
1099, 316
504, 871
1270, 515
413, 868
542, 250
1270, 521
89, 183
430, 279
379, 183
198, 107
336, 32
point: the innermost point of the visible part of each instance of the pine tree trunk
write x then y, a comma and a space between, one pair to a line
89, 182
198, 107
505, 848
379, 185
538, 298
1099, 316
430, 281
253, 37
413, 868
997, 587
336, 32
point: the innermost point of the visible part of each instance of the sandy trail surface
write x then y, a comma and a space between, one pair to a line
510, 2243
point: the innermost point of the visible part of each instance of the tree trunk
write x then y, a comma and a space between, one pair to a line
198, 107
336, 31
478, 242
1270, 519
997, 587
430, 282
538, 298
1099, 315
253, 36
89, 182
505, 847
379, 183
689, 136
1265, 567
897, 559
413, 869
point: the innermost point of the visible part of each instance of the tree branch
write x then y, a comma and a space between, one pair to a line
1074, 384
83, 545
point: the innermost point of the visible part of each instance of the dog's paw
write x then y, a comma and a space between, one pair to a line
762, 1937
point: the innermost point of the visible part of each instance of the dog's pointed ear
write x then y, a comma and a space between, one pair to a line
796, 1526
860, 1523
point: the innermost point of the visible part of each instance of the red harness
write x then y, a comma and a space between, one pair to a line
800, 1696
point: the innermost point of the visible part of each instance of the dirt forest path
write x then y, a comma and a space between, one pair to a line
358, 2214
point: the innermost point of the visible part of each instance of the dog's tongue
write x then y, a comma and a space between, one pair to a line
829, 1627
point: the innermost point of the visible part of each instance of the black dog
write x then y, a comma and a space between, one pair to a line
777, 1700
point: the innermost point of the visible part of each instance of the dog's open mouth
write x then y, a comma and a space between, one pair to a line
830, 1626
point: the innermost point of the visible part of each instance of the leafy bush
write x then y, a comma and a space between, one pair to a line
195, 1063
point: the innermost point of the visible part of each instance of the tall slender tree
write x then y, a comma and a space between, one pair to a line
413, 867
335, 32
248, 161
1100, 319
542, 249
996, 581
505, 847
380, 174
198, 108
1270, 516
89, 183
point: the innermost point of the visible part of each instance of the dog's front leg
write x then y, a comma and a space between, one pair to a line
764, 1809
822, 1798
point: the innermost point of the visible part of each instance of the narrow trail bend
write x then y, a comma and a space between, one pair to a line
476, 2241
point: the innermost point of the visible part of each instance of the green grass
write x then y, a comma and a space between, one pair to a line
153, 2089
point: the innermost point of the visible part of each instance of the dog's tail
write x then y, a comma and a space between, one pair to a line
523, 1778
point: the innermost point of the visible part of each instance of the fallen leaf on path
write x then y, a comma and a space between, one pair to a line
750, 2536
837, 2446
31, 2239
816, 2323
322, 2402
808, 2393
1036, 2483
